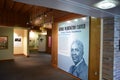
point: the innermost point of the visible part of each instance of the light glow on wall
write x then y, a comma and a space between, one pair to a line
43, 33
32, 34
15, 35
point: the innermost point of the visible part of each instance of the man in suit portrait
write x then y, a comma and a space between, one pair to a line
80, 68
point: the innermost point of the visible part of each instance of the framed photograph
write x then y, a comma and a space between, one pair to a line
18, 42
3, 42
18, 39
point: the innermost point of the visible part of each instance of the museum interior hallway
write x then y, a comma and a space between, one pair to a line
36, 67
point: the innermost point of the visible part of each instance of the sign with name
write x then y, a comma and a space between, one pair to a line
73, 46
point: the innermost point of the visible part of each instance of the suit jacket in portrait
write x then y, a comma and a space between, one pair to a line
80, 71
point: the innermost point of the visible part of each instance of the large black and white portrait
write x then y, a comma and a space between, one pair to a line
80, 68
73, 47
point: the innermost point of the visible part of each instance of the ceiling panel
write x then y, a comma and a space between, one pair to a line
26, 8
9, 4
91, 3
76, 6
86, 2
18, 6
61, 14
2, 4
115, 10
31, 11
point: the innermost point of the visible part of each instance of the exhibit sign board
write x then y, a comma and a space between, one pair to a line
73, 47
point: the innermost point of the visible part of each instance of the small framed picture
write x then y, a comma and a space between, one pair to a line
18, 39
3, 42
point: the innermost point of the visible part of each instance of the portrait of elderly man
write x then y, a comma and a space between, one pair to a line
80, 68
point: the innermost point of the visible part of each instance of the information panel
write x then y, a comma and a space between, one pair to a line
73, 47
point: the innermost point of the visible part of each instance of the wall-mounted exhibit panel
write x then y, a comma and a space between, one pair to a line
73, 47
3, 42
37, 41
20, 41
42, 43
33, 40
6, 43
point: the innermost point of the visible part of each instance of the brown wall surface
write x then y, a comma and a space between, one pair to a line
94, 58
54, 44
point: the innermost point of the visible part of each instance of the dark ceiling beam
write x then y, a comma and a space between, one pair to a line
12, 6
4, 5
29, 10
1, 4
20, 9
9, 18
9, 4
26, 8
17, 6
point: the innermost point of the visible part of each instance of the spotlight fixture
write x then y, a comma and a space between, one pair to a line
107, 4
41, 20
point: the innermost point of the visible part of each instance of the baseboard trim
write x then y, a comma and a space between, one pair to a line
76, 78
21, 55
6, 60
54, 65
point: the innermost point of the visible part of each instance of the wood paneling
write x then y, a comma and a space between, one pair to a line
67, 17
9, 4
18, 7
54, 45
14, 13
8, 18
94, 58
27, 9
2, 2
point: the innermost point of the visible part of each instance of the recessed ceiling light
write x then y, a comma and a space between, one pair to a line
107, 4
68, 21
84, 18
76, 20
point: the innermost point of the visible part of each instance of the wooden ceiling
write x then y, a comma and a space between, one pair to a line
27, 9
16, 13
17, 7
